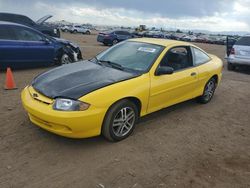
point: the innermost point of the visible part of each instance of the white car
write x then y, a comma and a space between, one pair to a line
239, 54
65, 28
79, 29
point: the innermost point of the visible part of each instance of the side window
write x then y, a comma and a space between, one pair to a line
199, 57
118, 32
6, 33
27, 35
126, 33
178, 58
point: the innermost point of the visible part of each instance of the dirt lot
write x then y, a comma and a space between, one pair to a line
187, 145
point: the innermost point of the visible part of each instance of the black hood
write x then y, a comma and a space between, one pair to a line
78, 79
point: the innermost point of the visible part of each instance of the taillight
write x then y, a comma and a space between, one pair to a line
232, 51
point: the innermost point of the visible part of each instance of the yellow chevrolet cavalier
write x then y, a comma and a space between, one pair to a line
107, 94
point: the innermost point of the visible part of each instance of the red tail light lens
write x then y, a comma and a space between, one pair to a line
232, 51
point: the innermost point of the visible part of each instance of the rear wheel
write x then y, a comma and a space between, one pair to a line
230, 66
87, 32
75, 31
115, 41
120, 121
208, 92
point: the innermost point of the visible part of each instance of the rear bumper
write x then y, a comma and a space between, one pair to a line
104, 40
238, 61
100, 39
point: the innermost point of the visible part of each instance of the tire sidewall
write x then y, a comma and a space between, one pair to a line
110, 116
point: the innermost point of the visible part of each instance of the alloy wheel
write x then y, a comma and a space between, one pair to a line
123, 122
209, 91
65, 59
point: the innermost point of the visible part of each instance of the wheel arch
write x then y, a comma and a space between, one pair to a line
134, 100
216, 77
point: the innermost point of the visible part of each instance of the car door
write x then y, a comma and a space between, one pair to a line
11, 49
173, 88
37, 50
229, 44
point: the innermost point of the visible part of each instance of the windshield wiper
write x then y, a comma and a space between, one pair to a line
112, 64
96, 61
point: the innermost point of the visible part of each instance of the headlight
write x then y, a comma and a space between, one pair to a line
70, 105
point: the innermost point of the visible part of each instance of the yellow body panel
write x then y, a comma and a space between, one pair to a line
153, 92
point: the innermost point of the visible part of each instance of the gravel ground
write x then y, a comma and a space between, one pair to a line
187, 145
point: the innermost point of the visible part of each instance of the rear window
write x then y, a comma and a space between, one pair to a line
244, 41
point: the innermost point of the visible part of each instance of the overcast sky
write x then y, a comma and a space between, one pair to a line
213, 15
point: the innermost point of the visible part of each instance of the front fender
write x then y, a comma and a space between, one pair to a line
137, 87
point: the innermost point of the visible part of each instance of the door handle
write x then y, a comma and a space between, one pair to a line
193, 74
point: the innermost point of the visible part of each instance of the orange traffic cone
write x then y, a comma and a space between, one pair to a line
9, 83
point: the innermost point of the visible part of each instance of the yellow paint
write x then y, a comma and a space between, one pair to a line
153, 92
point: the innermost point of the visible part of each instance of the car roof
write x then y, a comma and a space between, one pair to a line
162, 42
20, 25
11, 14
11, 23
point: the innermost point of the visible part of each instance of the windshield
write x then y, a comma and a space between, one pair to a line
136, 56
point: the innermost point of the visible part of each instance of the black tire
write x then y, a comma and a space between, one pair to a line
87, 32
116, 128
114, 42
230, 66
208, 92
75, 31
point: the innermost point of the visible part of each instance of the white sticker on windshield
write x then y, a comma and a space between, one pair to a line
149, 50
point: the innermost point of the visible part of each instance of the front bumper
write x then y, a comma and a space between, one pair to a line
80, 124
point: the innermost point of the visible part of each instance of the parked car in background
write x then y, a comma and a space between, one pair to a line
238, 52
38, 25
113, 37
23, 47
201, 38
65, 28
109, 93
79, 29
188, 38
154, 34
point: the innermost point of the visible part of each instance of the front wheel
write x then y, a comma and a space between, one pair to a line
120, 121
208, 92
65, 59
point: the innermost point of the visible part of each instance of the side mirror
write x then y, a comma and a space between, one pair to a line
46, 41
164, 70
